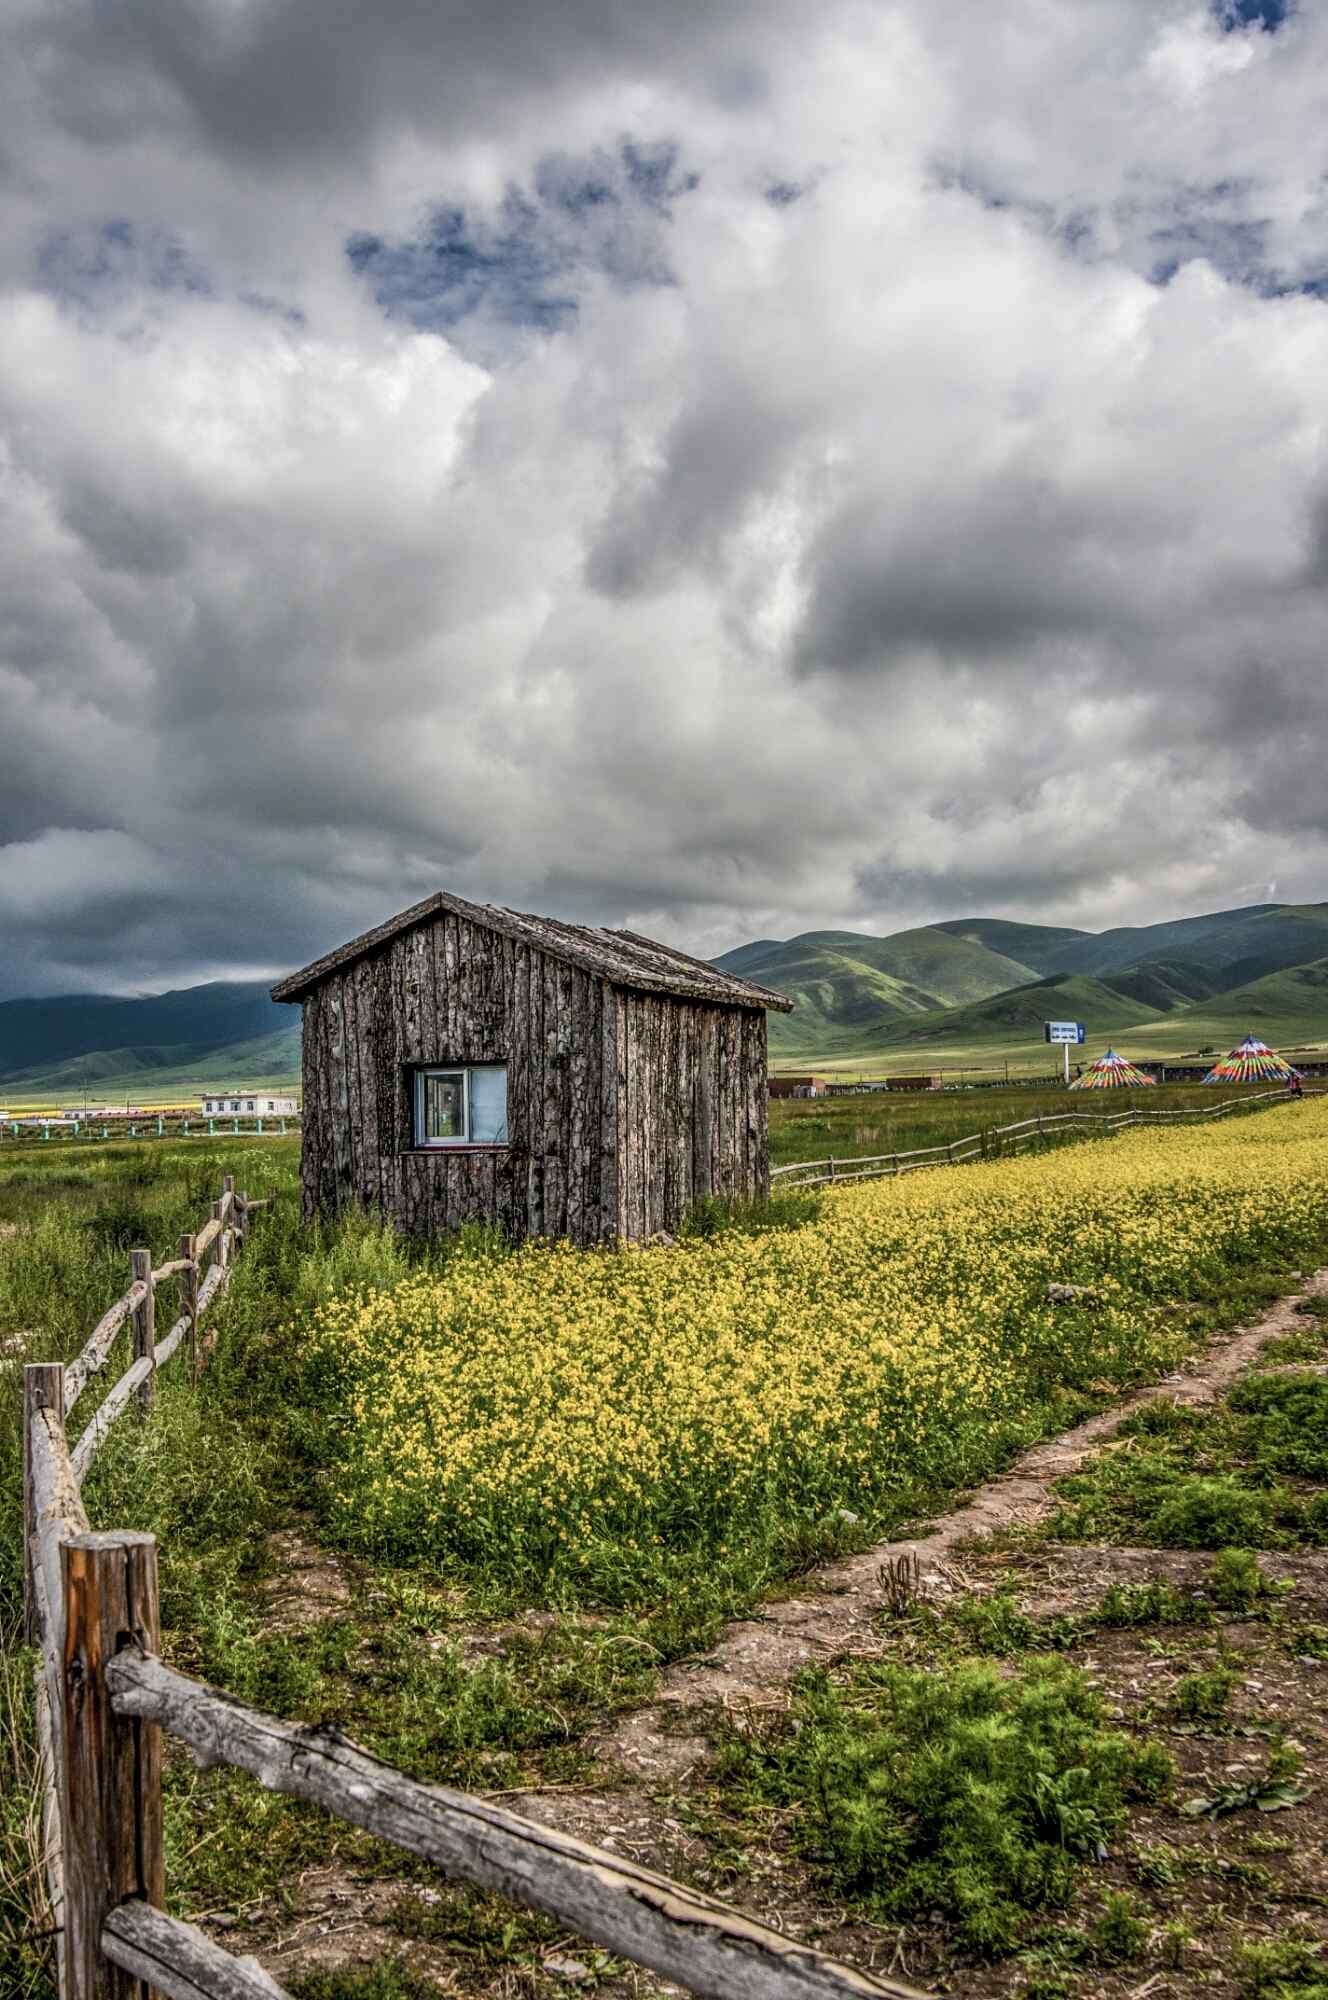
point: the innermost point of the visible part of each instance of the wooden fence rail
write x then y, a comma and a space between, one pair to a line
630, 1910
56, 1126
105, 1699
54, 1514
1002, 1140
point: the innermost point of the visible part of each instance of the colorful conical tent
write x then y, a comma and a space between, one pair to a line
1111, 1072
1252, 1062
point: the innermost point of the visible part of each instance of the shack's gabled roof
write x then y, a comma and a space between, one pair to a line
621, 957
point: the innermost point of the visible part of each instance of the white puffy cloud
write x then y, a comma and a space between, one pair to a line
717, 470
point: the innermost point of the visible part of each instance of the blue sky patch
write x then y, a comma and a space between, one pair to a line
523, 264
97, 269
1266, 14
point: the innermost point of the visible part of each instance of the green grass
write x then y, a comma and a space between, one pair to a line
1247, 1474
215, 1471
812, 1128
1290, 1968
198, 1476
957, 1788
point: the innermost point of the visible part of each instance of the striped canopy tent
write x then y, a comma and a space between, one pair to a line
1252, 1062
1111, 1072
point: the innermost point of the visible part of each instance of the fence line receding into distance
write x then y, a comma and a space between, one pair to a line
1001, 1140
104, 1697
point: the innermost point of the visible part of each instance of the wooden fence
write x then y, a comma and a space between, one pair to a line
1001, 1140
146, 1125
104, 1697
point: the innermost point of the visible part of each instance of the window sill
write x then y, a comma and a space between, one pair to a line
450, 1149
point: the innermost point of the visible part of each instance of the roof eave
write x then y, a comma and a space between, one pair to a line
733, 992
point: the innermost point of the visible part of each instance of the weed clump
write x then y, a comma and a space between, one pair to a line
1213, 1514
969, 1791
1119, 1935
995, 1625
1236, 1582
1285, 1422
1201, 1699
1155, 1602
1290, 1968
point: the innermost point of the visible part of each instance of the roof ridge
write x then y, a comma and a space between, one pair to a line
623, 958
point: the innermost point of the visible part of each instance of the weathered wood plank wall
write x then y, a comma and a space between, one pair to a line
622, 1106
695, 1108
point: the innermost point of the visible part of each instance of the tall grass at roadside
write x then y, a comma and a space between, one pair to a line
195, 1475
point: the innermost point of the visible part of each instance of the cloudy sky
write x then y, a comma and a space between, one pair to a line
723, 468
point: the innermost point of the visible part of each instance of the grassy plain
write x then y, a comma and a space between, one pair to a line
778, 1388
989, 1058
812, 1128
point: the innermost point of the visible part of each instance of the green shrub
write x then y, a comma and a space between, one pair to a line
1213, 1514
962, 1789
1285, 1423
995, 1624
1289, 1968
1203, 1696
1119, 1935
1155, 1602
1235, 1581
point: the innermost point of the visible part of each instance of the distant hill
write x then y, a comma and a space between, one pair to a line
1019, 1013
1231, 946
154, 1073
37, 1034
842, 982
1286, 1009
100, 1045
1038, 946
976, 983
964, 990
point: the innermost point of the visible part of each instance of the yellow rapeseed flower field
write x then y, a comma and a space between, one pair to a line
584, 1413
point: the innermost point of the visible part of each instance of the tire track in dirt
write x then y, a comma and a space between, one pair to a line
836, 1610
835, 1613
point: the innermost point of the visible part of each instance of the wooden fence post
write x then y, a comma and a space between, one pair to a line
112, 1793
43, 1389
145, 1323
189, 1301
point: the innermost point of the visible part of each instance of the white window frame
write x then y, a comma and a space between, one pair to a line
463, 1070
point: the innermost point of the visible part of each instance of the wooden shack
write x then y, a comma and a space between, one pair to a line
465, 1063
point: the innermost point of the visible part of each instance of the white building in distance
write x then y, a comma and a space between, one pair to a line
246, 1103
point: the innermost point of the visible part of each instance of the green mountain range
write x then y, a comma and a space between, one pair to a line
105, 1048
973, 990
972, 987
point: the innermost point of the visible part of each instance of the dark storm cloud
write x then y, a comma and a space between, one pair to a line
596, 459
279, 83
983, 573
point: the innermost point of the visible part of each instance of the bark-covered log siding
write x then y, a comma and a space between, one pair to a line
622, 1106
694, 1107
